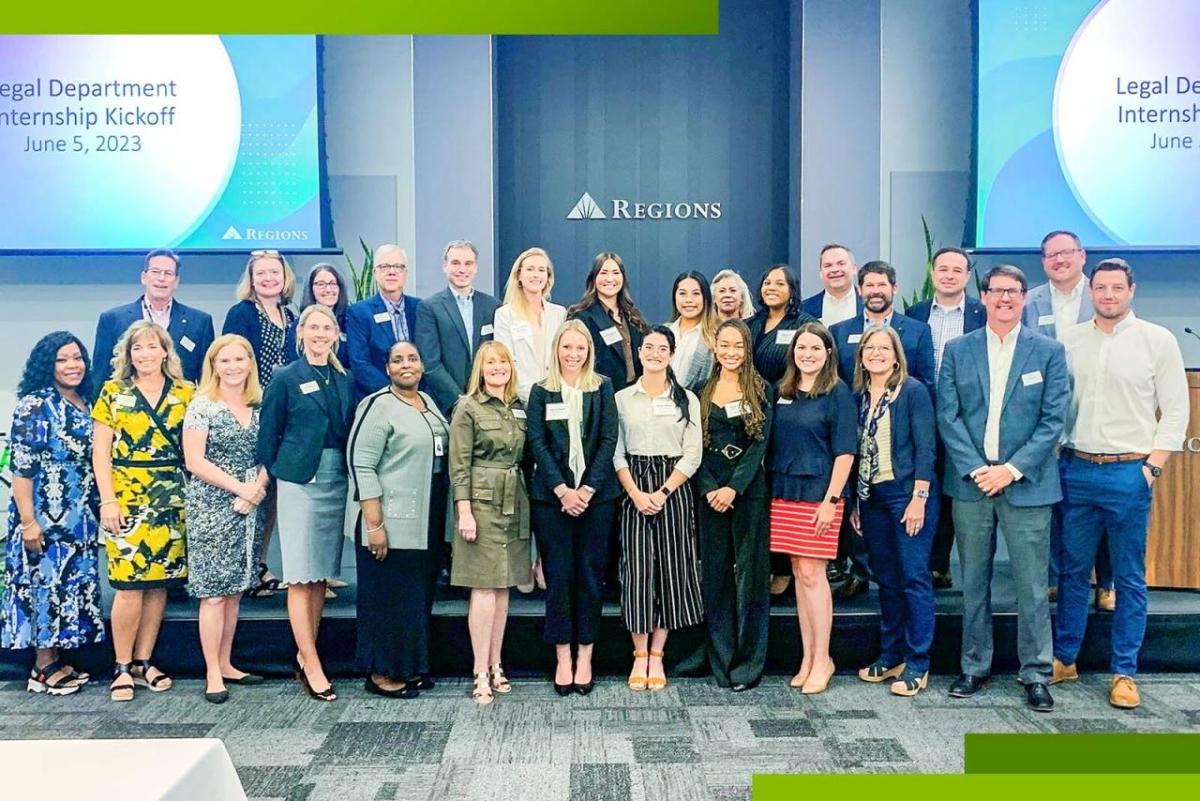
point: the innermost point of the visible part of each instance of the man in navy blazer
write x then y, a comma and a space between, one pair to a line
191, 329
949, 314
1002, 408
375, 324
838, 300
452, 324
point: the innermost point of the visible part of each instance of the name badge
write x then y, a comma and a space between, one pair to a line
382, 317
784, 336
611, 335
439, 447
309, 387
128, 401
519, 414
342, 336
1046, 319
556, 411
854, 339
664, 407
1029, 379
486, 330
783, 401
187, 344
521, 331
172, 400
733, 409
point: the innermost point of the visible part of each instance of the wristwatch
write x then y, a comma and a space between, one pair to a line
920, 493
1154, 469
665, 490
833, 499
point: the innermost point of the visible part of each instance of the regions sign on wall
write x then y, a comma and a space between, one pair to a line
586, 208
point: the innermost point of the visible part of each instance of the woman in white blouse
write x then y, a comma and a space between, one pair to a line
528, 321
694, 323
659, 447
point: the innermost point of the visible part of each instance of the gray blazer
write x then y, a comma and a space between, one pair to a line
1039, 307
699, 369
1032, 418
390, 457
442, 341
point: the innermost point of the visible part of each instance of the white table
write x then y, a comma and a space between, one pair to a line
121, 770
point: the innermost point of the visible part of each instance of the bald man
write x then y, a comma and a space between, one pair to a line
375, 324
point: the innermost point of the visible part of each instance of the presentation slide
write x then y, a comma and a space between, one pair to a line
1088, 120
136, 142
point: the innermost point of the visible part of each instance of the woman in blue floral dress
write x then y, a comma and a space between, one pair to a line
51, 597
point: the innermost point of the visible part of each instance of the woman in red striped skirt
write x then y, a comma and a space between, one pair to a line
813, 442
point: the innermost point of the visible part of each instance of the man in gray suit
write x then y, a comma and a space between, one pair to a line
1051, 309
1003, 397
452, 324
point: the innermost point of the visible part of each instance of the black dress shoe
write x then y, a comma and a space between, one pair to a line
743, 686
407, 691
1038, 697
564, 690
217, 697
942, 581
965, 685
248, 680
585, 689
834, 572
853, 586
422, 683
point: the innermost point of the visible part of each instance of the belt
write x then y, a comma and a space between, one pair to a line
730, 452
509, 479
148, 463
1108, 458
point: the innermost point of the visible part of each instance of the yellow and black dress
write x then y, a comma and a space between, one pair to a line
148, 480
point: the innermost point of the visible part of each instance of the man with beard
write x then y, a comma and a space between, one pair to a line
1130, 412
837, 301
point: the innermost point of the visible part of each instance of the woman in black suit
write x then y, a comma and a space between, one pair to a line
573, 433
772, 329
305, 419
612, 319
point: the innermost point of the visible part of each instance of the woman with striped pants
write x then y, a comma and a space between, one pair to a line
659, 447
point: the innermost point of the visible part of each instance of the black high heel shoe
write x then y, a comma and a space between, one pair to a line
324, 695
564, 690
585, 689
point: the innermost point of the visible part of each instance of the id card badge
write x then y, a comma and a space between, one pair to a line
382, 317
556, 411
187, 344
1029, 379
309, 387
486, 330
125, 401
664, 407
1045, 319
784, 336
854, 339
611, 335
439, 446
519, 414
733, 409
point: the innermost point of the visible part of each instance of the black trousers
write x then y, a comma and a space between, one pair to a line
943, 537
735, 564
574, 554
853, 547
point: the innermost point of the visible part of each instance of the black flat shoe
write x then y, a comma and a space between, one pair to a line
249, 680
217, 697
564, 689
422, 683
854, 586
406, 692
1038, 697
585, 689
965, 686
742, 687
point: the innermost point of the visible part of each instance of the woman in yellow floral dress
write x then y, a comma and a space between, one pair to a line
138, 462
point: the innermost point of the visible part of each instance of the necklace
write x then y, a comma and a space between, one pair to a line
325, 376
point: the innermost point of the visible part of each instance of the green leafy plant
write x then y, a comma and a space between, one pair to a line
926, 290
364, 279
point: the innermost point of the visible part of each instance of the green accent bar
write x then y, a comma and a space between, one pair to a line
1082, 753
367, 16
973, 787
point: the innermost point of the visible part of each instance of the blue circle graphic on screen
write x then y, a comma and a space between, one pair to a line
1127, 120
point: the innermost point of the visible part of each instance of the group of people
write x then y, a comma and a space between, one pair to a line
699, 464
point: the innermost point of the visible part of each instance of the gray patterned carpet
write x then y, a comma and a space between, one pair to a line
691, 742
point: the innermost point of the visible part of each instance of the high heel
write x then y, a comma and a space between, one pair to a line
638, 681
800, 677
818, 683
323, 695
655, 683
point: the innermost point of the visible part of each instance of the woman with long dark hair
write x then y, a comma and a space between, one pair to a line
659, 449
694, 323
613, 320
325, 285
51, 595
735, 406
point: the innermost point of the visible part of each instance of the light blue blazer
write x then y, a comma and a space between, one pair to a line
1039, 307
1034, 413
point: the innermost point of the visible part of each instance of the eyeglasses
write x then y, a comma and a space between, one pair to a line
391, 268
877, 348
1065, 252
325, 284
259, 253
1006, 292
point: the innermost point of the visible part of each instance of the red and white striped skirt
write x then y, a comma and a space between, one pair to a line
793, 529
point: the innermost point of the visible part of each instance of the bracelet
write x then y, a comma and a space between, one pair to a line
373, 530
106, 503
29, 525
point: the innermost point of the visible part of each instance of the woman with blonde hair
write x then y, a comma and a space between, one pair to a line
138, 462
306, 414
528, 321
491, 543
220, 437
572, 437
263, 314
731, 296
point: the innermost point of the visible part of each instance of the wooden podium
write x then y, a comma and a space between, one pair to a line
1173, 548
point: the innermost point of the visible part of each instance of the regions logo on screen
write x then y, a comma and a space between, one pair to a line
265, 235
586, 208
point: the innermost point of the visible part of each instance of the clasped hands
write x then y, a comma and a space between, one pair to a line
992, 479
249, 495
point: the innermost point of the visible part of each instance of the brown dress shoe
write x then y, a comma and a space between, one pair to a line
1060, 672
1106, 599
1124, 693
1052, 594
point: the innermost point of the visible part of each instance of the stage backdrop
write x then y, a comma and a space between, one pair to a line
670, 151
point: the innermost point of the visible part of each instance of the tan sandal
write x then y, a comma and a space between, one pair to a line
655, 683
482, 694
638, 681
160, 683
499, 681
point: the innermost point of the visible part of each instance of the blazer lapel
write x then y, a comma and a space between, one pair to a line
1021, 355
319, 395
450, 302
980, 357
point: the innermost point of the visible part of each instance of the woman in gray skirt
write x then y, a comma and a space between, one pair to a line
225, 521
302, 442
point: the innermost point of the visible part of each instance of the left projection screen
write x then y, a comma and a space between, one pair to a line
136, 142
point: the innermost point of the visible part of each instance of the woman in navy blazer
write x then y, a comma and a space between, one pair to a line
896, 452
613, 320
263, 315
572, 432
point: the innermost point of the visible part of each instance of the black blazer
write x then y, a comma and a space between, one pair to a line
770, 358
242, 318
293, 423
610, 359
442, 340
550, 444
188, 327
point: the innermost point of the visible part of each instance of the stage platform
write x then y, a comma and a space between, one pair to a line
264, 642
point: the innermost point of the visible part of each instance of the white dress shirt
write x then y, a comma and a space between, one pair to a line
158, 317
835, 310
1000, 359
652, 426
1066, 307
1131, 392
685, 348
